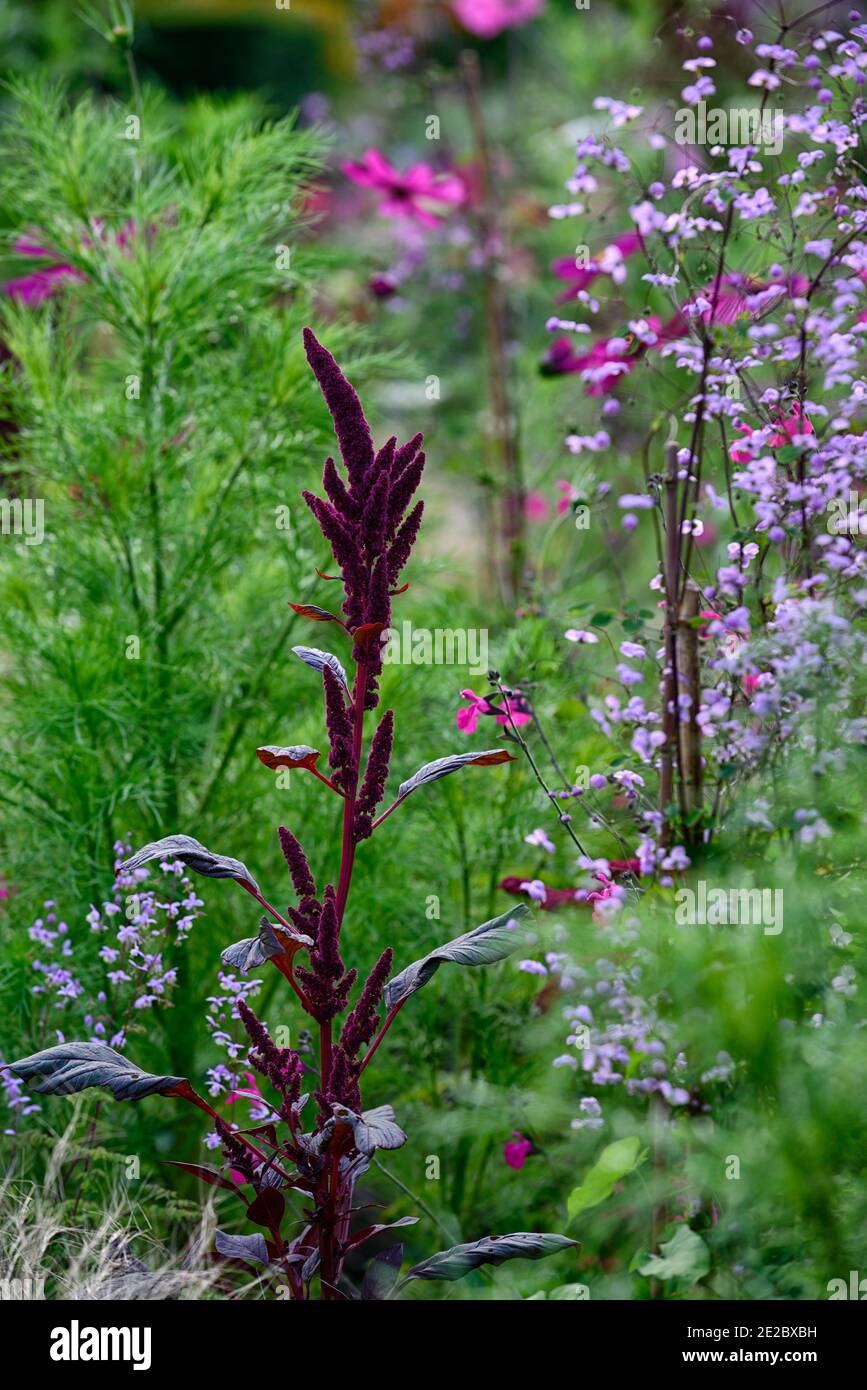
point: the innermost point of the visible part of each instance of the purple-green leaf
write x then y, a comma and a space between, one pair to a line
295, 755
212, 1176
368, 1232
377, 1129
251, 1249
312, 656
253, 951
194, 855
484, 945
75, 1066
452, 762
490, 1250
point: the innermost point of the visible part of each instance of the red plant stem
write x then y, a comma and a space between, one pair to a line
327, 1253
328, 1273
327, 780
381, 1034
195, 1099
393, 807
324, 1054
347, 850
254, 893
287, 972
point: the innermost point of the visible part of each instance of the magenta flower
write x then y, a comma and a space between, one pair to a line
488, 18
788, 429
406, 195
570, 494
797, 423
609, 262
467, 719
39, 285
601, 367
516, 1149
535, 506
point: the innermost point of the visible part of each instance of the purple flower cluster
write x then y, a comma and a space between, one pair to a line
98, 995
768, 355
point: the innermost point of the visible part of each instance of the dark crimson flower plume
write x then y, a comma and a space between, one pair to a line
234, 1151
358, 1029
302, 879
337, 721
279, 1065
375, 776
327, 983
363, 518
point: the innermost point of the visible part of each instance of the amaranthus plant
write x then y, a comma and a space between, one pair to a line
367, 520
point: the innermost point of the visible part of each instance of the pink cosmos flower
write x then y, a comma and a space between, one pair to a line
467, 719
39, 285
406, 195
488, 18
606, 361
516, 1149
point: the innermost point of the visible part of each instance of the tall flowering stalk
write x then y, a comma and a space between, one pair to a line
371, 522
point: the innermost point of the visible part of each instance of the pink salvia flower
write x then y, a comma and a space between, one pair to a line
516, 1149
468, 719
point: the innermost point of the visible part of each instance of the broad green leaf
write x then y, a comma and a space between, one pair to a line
685, 1256
612, 1165
569, 1293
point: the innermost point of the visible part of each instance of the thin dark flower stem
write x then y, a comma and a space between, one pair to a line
548, 749
419, 1201
592, 813
502, 431
195, 1099
531, 760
